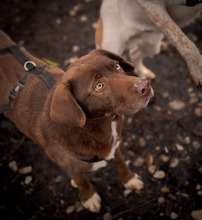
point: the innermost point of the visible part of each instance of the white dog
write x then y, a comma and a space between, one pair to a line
139, 25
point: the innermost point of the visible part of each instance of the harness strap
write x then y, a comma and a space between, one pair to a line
19, 55
5, 107
6, 124
30, 67
50, 81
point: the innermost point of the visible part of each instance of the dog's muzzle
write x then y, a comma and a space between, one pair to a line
143, 88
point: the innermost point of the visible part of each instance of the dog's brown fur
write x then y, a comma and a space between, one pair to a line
77, 119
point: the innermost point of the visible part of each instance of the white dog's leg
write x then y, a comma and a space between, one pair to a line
141, 70
158, 14
147, 44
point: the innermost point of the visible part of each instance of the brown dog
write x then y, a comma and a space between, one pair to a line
78, 121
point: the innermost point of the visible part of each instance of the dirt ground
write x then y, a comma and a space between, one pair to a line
162, 143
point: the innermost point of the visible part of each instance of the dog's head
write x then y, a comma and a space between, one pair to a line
96, 85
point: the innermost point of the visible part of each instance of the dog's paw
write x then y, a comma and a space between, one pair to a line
195, 69
93, 204
134, 183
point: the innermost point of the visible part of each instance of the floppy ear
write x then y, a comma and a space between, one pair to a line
126, 66
64, 108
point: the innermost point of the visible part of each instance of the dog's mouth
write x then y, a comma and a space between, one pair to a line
149, 96
150, 93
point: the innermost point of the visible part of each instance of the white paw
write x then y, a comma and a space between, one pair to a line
134, 183
93, 204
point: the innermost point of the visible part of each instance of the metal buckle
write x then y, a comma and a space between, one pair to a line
27, 66
16, 89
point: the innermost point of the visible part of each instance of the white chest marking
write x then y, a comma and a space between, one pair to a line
115, 141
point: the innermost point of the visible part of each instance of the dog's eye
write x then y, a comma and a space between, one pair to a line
99, 86
118, 67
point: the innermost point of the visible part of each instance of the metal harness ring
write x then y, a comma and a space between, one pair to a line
27, 63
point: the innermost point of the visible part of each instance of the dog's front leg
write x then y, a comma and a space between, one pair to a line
89, 198
129, 179
76, 170
158, 14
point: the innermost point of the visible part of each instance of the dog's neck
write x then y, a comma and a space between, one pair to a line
97, 134
104, 118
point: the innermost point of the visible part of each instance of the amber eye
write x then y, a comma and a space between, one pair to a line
118, 67
99, 86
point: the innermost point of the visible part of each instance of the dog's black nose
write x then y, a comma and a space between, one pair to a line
142, 87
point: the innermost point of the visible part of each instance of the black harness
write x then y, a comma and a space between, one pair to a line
30, 67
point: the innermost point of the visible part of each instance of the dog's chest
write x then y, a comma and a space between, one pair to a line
115, 143
115, 140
